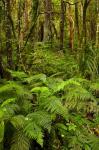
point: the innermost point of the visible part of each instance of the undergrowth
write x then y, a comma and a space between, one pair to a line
50, 112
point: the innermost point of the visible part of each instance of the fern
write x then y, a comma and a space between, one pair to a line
6, 102
18, 121
13, 89
35, 104
53, 104
33, 131
36, 78
41, 118
1, 131
89, 60
18, 75
8, 111
94, 142
76, 95
20, 141
60, 85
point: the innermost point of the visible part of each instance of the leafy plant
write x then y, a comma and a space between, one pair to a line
34, 105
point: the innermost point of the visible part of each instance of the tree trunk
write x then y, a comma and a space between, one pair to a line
8, 35
84, 31
71, 29
26, 17
48, 20
62, 21
1, 65
77, 23
97, 30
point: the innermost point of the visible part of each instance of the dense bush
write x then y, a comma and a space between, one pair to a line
45, 59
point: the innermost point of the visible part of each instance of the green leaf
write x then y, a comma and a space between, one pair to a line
6, 102
1, 131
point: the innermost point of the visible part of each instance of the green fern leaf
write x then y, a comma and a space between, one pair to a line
36, 78
18, 121
6, 102
33, 131
41, 118
20, 141
53, 104
1, 131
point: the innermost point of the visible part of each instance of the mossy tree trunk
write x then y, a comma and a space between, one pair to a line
62, 21
8, 34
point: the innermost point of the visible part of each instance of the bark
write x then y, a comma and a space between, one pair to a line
86, 4
1, 65
8, 35
71, 29
26, 17
62, 21
77, 22
48, 20
41, 31
97, 26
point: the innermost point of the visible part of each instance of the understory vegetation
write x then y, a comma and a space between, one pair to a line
57, 108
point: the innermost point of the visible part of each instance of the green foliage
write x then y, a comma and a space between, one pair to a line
89, 60
34, 105
50, 62
1, 131
20, 141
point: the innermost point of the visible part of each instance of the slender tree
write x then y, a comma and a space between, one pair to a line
48, 20
97, 30
71, 28
62, 21
84, 31
77, 23
8, 34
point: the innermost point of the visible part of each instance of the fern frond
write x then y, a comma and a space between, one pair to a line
36, 78
94, 142
18, 75
41, 118
63, 84
1, 131
76, 95
20, 141
6, 102
95, 86
33, 131
53, 104
57, 84
40, 90
8, 111
18, 121
13, 89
